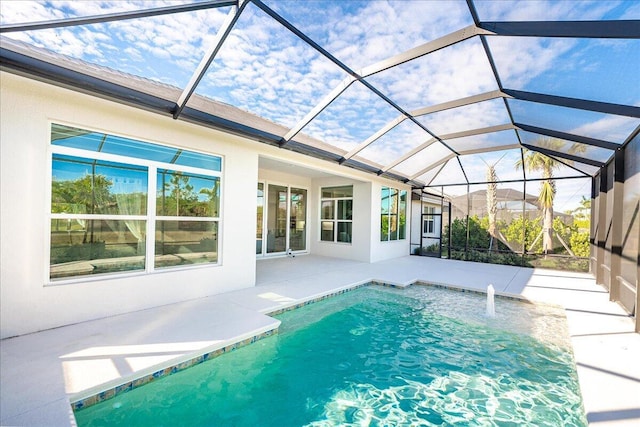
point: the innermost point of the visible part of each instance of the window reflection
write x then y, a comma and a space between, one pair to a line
184, 194
337, 206
81, 247
185, 242
393, 218
67, 136
99, 208
82, 186
297, 220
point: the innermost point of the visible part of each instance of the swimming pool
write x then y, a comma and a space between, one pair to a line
376, 356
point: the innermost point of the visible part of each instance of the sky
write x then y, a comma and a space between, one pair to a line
265, 69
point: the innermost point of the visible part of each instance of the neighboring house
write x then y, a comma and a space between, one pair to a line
509, 206
107, 208
426, 221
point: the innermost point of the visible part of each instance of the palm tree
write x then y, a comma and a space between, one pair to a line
492, 199
535, 161
584, 210
492, 202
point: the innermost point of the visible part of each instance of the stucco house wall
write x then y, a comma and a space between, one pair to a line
29, 303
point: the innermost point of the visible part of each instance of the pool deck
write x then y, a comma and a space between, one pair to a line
42, 373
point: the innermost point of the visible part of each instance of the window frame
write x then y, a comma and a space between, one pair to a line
335, 220
399, 214
429, 220
265, 218
151, 218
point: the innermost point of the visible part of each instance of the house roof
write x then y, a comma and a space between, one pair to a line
506, 198
427, 93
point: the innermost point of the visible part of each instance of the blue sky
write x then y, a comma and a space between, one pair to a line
266, 70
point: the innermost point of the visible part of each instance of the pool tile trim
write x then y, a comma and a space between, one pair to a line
111, 392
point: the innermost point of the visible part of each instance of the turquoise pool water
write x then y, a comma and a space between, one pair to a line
421, 356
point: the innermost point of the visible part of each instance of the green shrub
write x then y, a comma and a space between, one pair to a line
579, 243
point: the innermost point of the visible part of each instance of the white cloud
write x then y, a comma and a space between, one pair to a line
157, 47
18, 12
264, 69
423, 159
569, 192
540, 10
455, 72
395, 143
632, 11
610, 128
380, 29
475, 166
468, 117
520, 60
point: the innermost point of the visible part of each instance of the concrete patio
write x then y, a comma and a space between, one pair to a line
42, 373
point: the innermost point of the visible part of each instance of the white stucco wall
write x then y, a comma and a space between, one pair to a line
27, 108
29, 304
392, 249
358, 249
366, 245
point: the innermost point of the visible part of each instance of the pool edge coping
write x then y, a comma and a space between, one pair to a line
108, 390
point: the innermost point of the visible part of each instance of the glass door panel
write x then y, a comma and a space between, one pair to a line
297, 220
276, 219
259, 218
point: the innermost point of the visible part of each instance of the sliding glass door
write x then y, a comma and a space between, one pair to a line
276, 219
284, 219
298, 219
260, 219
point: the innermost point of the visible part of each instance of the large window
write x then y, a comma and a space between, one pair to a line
186, 218
108, 194
336, 206
393, 218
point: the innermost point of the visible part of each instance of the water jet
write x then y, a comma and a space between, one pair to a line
491, 307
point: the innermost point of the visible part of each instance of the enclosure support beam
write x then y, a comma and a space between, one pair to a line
616, 225
602, 227
466, 240
423, 49
379, 134
474, 99
580, 104
618, 29
119, 16
508, 181
428, 168
593, 229
455, 135
565, 156
524, 222
319, 108
221, 36
569, 137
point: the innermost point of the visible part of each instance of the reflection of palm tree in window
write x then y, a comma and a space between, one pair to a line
90, 194
393, 214
180, 189
213, 194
